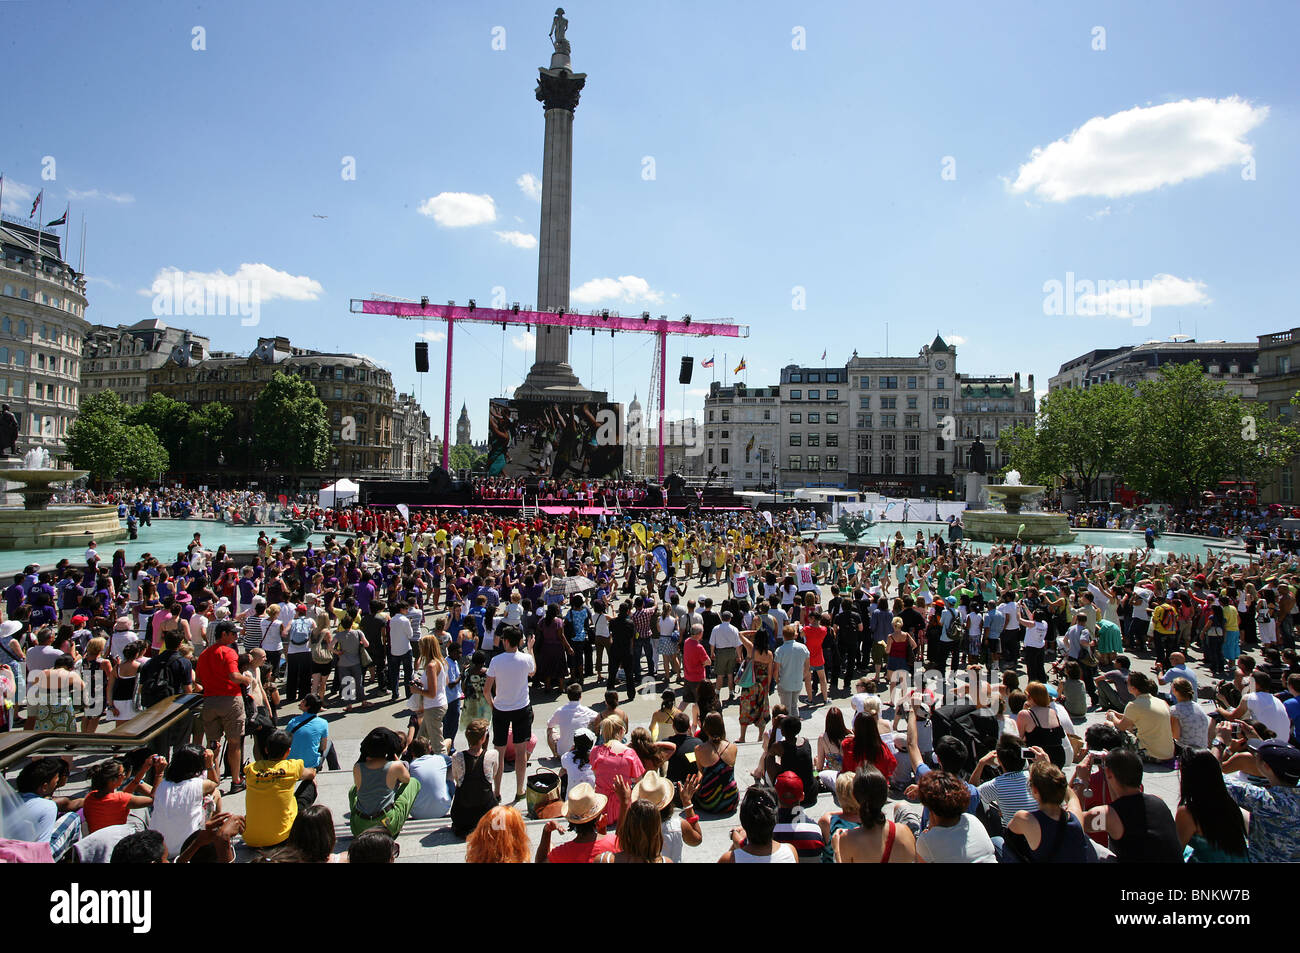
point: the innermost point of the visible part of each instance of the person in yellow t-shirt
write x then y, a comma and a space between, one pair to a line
271, 804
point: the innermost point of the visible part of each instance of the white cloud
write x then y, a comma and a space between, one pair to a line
956, 340
458, 209
530, 185
1099, 214
518, 239
524, 341
374, 360
18, 198
697, 392
267, 283
627, 288
434, 336
1163, 291
92, 280
121, 198
1142, 149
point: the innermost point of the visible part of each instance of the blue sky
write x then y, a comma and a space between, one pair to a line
775, 168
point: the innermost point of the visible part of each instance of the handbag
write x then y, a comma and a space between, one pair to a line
747, 674
366, 660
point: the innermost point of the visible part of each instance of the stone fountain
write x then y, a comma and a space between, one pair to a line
1014, 521
38, 524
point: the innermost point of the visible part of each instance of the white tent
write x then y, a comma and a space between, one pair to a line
338, 494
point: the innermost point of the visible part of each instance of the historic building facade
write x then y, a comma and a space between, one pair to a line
350, 386
120, 358
42, 325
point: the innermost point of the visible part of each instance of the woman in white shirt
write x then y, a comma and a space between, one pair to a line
184, 799
752, 842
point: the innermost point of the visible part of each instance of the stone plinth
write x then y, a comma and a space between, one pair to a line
975, 483
990, 526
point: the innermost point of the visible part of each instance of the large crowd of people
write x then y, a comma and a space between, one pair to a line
964, 677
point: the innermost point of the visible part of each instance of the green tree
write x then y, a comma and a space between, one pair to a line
209, 430
290, 424
1191, 433
109, 448
464, 457
143, 457
1078, 435
106, 403
169, 419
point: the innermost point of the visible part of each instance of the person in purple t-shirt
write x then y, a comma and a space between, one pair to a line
364, 591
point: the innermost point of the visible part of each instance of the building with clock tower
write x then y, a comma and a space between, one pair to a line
898, 408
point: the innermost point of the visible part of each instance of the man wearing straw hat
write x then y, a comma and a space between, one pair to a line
583, 810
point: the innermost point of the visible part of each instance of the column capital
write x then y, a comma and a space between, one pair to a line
559, 88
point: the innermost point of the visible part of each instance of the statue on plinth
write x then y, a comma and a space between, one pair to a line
8, 431
558, 27
979, 457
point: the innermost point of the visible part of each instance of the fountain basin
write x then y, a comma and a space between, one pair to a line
990, 526
58, 525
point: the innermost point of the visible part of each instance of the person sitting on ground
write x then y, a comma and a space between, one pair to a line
954, 836
499, 838
112, 797
1140, 826
383, 791
1274, 807
752, 841
792, 753
373, 846
43, 818
472, 770
1211, 827
875, 840
1188, 722
583, 810
431, 770
1261, 706
1112, 686
1053, 832
1147, 716
272, 802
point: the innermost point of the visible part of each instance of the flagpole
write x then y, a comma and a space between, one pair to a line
81, 261
67, 213
40, 207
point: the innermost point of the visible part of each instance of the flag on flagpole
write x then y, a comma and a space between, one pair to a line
739, 367
823, 355
37, 203
750, 446
708, 363
61, 220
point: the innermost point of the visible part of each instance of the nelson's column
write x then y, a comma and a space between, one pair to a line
558, 88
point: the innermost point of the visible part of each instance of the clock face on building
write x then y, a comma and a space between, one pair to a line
940, 364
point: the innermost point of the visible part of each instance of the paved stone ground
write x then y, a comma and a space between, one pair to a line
432, 840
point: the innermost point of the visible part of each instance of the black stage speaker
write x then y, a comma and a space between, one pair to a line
684, 376
422, 357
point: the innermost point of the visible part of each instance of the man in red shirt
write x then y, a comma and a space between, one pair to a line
695, 661
223, 702
814, 634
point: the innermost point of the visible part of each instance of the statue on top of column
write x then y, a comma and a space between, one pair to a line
558, 26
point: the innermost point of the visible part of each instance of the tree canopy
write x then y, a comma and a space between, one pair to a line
1169, 438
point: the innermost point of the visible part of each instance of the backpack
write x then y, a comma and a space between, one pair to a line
160, 678
300, 631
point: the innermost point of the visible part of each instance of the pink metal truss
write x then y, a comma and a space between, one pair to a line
603, 320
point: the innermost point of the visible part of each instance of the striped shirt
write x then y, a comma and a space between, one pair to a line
1011, 792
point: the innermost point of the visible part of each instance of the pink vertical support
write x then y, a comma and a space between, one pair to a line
663, 373
446, 401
